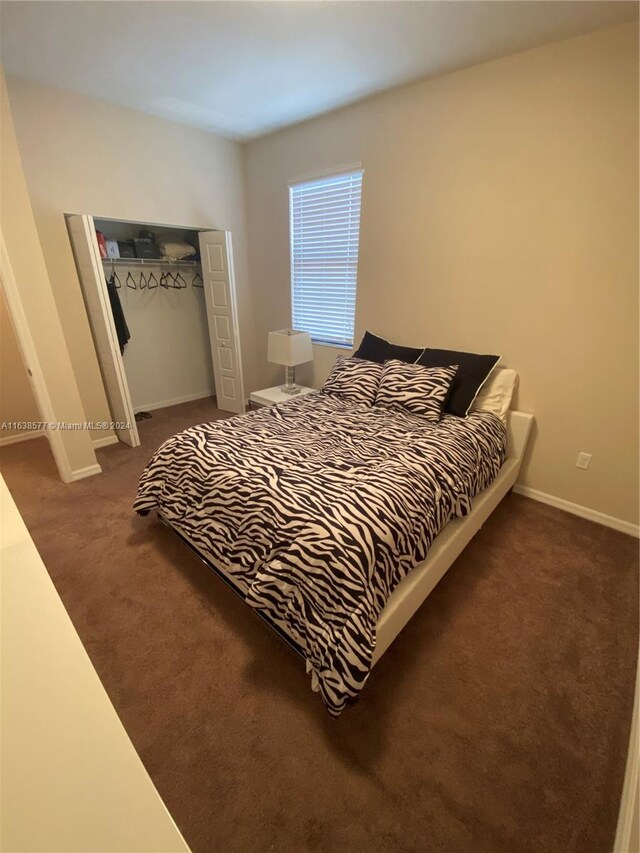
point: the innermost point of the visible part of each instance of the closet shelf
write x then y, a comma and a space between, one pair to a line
149, 262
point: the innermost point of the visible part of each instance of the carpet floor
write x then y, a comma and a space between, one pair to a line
497, 721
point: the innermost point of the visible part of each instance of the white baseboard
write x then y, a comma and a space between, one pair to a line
105, 441
81, 473
151, 407
577, 509
20, 436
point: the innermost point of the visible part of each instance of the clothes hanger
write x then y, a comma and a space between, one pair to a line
142, 281
133, 284
180, 283
113, 279
195, 279
150, 279
163, 280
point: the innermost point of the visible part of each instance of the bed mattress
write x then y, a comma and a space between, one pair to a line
317, 508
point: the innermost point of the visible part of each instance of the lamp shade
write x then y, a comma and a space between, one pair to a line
289, 347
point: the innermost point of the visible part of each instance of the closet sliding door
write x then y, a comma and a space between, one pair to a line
96, 299
222, 319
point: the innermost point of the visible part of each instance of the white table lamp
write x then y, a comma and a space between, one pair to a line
290, 347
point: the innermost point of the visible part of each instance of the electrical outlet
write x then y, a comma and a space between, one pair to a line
583, 460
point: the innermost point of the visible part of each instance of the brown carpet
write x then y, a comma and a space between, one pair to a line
497, 721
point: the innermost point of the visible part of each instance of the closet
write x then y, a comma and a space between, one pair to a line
175, 290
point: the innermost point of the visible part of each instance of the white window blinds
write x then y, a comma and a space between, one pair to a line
325, 227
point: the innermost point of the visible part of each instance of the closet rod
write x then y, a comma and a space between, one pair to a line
132, 262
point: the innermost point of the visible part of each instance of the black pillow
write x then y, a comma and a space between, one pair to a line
472, 371
373, 348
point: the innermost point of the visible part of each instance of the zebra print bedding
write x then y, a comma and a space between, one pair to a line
317, 508
354, 379
421, 390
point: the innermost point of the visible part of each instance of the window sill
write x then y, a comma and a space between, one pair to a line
331, 346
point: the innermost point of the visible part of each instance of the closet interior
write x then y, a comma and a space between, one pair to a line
167, 357
161, 305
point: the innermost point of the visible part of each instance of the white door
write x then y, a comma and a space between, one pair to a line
96, 299
222, 319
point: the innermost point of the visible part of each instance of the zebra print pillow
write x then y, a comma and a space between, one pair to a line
354, 379
421, 390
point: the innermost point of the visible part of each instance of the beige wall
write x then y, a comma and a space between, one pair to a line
28, 268
499, 214
17, 402
84, 155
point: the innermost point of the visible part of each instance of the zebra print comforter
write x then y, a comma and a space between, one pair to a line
317, 508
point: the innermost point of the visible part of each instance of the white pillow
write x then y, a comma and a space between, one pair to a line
496, 393
175, 249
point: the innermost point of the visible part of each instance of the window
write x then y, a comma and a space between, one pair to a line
325, 227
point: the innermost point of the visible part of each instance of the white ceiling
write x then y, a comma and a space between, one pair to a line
242, 69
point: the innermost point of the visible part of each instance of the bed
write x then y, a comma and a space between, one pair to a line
333, 519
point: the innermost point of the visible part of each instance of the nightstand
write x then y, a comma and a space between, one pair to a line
271, 396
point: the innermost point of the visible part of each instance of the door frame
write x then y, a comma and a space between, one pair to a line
32, 364
102, 325
629, 808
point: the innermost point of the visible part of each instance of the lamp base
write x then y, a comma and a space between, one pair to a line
290, 386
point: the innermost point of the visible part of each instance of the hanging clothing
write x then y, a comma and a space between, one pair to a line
122, 329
